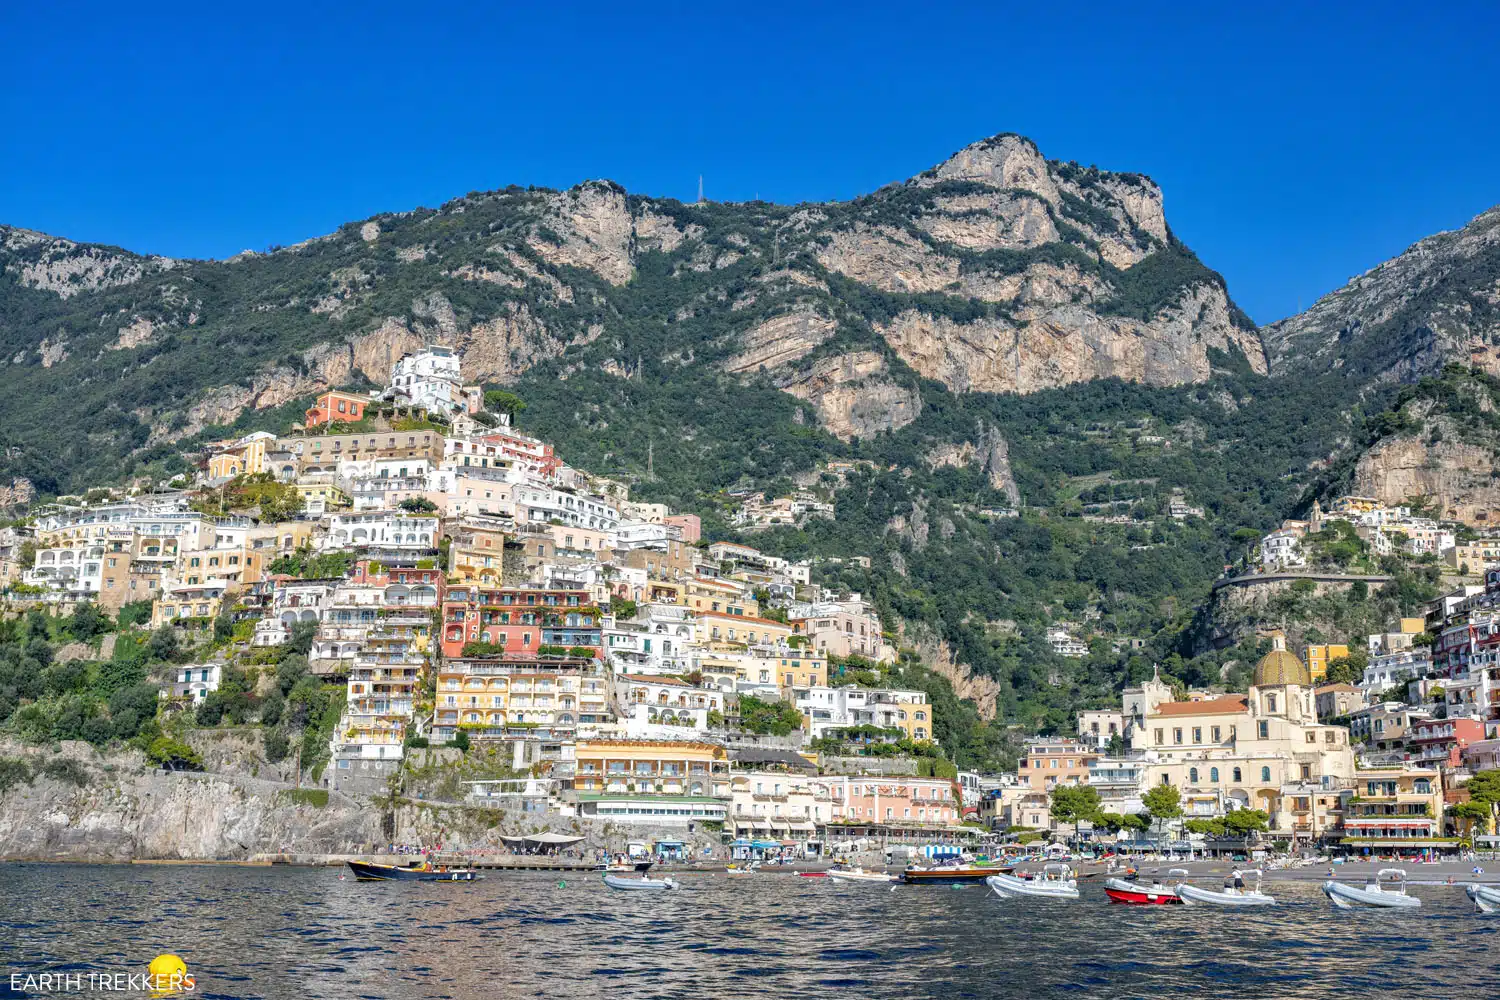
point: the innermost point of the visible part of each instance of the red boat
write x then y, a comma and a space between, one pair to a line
1144, 893
812, 874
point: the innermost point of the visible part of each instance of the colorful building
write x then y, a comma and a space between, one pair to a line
336, 408
1318, 658
1393, 807
656, 782
519, 619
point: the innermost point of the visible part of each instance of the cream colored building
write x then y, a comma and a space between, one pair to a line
1264, 750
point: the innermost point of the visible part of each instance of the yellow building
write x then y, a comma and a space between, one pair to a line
486, 697
245, 457
1318, 658
723, 631
704, 594
187, 602
655, 782
326, 495
476, 552
1394, 808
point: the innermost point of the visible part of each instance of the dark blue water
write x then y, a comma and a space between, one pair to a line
261, 932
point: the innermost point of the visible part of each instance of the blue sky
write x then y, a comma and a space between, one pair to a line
1297, 145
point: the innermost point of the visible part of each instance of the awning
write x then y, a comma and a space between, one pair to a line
552, 838
803, 826
669, 843
742, 842
761, 824
766, 844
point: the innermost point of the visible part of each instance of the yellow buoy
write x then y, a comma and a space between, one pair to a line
169, 974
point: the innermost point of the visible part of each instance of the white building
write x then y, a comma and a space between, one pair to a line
195, 681
382, 529
1064, 643
431, 379
1282, 549
829, 708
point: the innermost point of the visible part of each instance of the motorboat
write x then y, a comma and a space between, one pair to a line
369, 871
1231, 896
645, 882
858, 875
1055, 882
953, 874
1120, 890
1486, 897
1387, 889
625, 867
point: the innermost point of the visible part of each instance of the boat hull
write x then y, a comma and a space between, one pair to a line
1193, 894
1486, 898
951, 876
812, 874
368, 872
1008, 886
861, 877
1347, 897
1133, 894
639, 885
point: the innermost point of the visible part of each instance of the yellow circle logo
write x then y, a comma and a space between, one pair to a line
169, 974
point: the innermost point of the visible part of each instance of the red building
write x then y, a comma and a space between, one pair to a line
336, 408
519, 619
1441, 742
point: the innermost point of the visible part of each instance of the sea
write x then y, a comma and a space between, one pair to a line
304, 932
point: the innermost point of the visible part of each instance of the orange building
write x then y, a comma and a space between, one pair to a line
336, 407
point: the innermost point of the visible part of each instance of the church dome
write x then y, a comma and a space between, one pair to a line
1280, 667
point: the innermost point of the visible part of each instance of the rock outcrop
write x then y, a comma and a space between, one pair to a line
853, 395
588, 227
1069, 344
1437, 302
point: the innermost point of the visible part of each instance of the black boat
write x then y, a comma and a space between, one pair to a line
367, 871
952, 874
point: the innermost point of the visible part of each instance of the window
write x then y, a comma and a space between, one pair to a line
1215, 732
1192, 775
1213, 775
1197, 734
1306, 772
1270, 703
1177, 736
1237, 775
1265, 774
1158, 737
1312, 737
1265, 729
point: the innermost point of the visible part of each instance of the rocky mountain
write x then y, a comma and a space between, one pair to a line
1438, 302
996, 271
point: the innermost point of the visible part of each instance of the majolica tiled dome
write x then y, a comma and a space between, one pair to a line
1280, 667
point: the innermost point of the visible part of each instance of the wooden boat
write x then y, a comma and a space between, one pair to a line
626, 868
1374, 893
1229, 897
1486, 897
645, 882
367, 871
1055, 882
1139, 894
858, 875
953, 875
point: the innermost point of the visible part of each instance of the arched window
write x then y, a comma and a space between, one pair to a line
1237, 775
1270, 703
1213, 775
1265, 774
1192, 775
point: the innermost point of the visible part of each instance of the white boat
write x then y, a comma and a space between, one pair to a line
645, 882
858, 875
1374, 892
1486, 897
1055, 882
1229, 897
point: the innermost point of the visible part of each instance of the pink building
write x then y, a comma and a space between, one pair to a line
894, 800
691, 526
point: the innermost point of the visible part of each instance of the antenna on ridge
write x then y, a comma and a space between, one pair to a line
700, 189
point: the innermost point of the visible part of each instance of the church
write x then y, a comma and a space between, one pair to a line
1262, 750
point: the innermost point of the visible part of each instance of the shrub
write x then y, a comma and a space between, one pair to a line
173, 755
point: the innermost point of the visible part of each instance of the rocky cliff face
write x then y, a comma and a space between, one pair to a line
1437, 302
996, 271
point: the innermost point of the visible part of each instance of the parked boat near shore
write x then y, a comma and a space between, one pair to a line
1055, 882
1387, 890
859, 875
1486, 897
1138, 894
645, 882
368, 871
1231, 896
952, 875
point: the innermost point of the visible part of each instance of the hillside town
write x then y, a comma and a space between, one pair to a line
462, 587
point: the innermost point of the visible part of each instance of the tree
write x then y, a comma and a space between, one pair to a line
277, 746
1116, 746
1348, 669
173, 755
134, 613
1475, 816
162, 645
87, 621
623, 607
460, 741
715, 719
1484, 791
1244, 822
418, 505
508, 403
778, 718
1071, 803
1163, 803
303, 634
